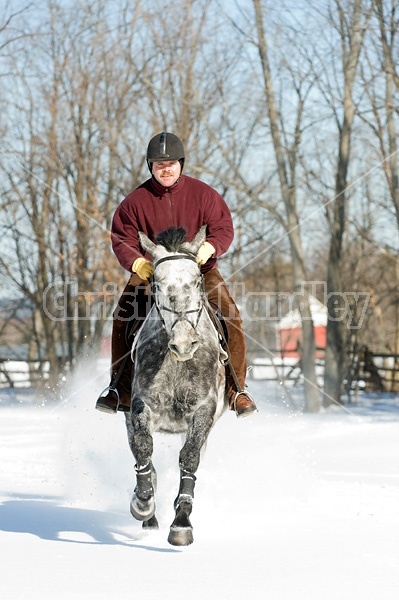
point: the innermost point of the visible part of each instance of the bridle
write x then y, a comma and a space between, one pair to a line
181, 314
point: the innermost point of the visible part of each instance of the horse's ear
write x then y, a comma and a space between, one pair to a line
147, 244
197, 242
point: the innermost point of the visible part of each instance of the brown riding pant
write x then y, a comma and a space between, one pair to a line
132, 308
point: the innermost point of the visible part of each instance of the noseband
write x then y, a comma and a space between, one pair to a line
181, 314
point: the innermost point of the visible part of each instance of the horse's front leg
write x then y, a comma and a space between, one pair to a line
142, 505
181, 530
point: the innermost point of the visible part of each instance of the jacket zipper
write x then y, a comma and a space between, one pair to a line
170, 203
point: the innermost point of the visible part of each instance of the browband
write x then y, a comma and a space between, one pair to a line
175, 257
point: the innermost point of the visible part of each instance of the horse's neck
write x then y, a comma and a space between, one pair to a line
152, 323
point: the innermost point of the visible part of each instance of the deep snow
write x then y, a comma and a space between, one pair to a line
287, 506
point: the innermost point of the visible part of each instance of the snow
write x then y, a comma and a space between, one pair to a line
287, 506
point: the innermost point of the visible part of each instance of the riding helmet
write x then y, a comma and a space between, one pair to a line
164, 147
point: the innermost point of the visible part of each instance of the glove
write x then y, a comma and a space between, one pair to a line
143, 268
205, 252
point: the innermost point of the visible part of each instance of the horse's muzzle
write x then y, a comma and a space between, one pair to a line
183, 342
185, 352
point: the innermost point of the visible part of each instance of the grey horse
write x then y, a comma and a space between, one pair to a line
179, 376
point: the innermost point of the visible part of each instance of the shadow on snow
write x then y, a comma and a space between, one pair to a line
49, 520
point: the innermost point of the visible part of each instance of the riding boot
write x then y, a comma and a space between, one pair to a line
128, 316
219, 297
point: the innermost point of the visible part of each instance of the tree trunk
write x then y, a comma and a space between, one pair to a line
312, 403
336, 348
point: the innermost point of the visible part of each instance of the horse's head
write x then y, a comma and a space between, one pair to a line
177, 287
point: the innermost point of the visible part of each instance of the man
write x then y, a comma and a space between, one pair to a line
168, 199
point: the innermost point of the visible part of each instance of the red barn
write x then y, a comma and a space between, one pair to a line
290, 329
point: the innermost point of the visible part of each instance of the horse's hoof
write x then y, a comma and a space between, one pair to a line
142, 510
180, 536
151, 524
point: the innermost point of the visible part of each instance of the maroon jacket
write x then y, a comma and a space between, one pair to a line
152, 208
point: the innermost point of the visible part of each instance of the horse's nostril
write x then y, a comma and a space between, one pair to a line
185, 349
173, 348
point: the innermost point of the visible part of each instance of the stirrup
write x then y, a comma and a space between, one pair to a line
245, 412
104, 407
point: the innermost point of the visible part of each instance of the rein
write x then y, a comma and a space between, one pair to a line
181, 315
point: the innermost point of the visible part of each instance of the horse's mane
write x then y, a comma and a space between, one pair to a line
171, 239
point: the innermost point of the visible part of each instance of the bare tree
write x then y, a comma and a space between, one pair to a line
351, 22
79, 87
380, 82
286, 157
95, 86
247, 94
385, 105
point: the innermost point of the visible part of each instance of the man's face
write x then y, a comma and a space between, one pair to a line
166, 172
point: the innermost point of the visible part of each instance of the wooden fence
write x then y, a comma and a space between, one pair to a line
370, 371
376, 372
23, 373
